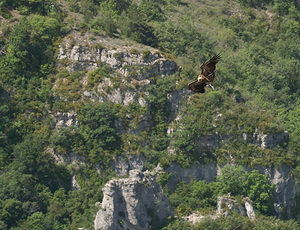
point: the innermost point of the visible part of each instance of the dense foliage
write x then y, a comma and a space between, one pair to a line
257, 88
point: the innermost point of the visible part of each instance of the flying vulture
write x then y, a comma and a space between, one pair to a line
207, 75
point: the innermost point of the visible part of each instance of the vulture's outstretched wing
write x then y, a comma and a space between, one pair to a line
207, 75
197, 86
209, 67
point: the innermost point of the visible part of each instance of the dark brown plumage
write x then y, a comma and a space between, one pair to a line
207, 75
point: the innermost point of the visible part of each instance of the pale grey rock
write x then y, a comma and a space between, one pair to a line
129, 98
115, 96
174, 100
266, 141
57, 158
249, 208
171, 129
80, 54
123, 165
101, 87
207, 172
64, 120
75, 185
91, 95
69, 158
271, 140
226, 205
285, 185
80, 57
62, 54
195, 217
98, 204
134, 203
87, 94
142, 101
86, 56
112, 58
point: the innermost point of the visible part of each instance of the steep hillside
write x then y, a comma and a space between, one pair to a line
95, 108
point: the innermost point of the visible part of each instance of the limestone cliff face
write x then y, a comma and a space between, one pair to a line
132, 66
286, 186
226, 205
137, 202
88, 52
132, 203
266, 141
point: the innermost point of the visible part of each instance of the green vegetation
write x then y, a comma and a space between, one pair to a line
197, 195
256, 186
257, 91
202, 197
234, 222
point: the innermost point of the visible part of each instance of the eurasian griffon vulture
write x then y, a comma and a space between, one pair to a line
207, 75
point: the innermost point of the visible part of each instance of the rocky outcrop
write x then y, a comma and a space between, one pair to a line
266, 141
207, 172
174, 99
285, 185
130, 65
75, 185
134, 203
63, 120
69, 158
226, 205
122, 165
83, 53
196, 217
249, 208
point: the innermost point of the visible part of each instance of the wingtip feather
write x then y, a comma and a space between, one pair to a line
216, 58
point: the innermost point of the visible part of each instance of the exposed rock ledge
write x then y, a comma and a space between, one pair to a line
285, 185
226, 206
134, 203
85, 53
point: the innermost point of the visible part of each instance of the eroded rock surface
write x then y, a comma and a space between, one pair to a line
68, 119
266, 141
134, 203
84, 53
285, 185
123, 165
227, 205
